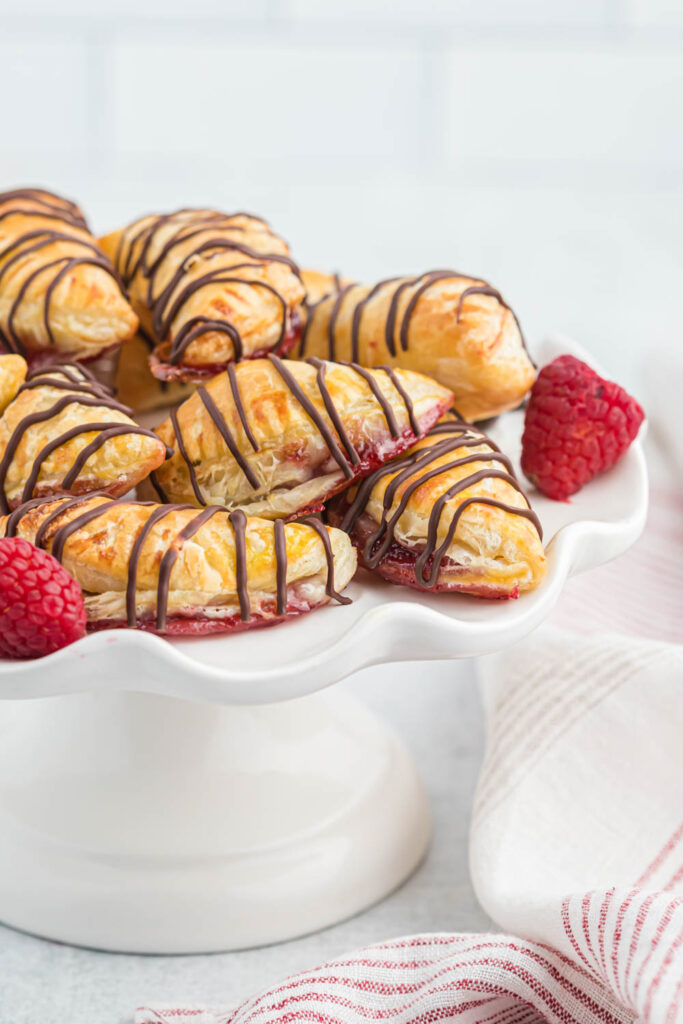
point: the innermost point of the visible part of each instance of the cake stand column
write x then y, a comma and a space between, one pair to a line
140, 823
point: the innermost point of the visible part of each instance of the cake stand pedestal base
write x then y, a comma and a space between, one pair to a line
139, 823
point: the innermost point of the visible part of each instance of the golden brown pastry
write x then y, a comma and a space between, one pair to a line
59, 295
13, 371
449, 515
175, 570
276, 437
64, 433
453, 328
209, 289
318, 285
137, 386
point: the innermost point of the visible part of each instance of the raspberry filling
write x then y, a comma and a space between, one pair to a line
187, 371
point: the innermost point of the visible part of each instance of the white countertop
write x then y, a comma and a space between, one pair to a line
46, 981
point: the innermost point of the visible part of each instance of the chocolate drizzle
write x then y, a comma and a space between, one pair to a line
238, 522
167, 304
417, 468
83, 390
338, 442
393, 323
24, 244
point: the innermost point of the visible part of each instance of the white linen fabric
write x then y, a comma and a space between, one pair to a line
576, 844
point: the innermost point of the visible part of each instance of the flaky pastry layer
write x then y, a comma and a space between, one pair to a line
276, 437
226, 571
209, 288
453, 328
58, 291
448, 515
64, 433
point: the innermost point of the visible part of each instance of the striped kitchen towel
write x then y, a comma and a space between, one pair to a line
576, 852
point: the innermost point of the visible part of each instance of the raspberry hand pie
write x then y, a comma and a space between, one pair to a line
174, 570
449, 515
59, 295
209, 288
64, 433
451, 327
277, 437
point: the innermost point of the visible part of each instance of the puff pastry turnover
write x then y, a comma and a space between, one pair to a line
174, 570
451, 327
277, 437
449, 515
59, 294
209, 288
64, 433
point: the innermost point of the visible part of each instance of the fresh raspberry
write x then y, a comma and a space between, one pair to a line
41, 605
576, 426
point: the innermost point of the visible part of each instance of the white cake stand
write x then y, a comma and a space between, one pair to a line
201, 795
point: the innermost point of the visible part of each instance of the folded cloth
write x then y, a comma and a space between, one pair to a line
576, 845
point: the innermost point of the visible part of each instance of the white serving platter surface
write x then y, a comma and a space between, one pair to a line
384, 623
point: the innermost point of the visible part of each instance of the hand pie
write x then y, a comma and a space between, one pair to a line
64, 433
209, 288
448, 515
277, 437
137, 386
453, 328
174, 570
59, 295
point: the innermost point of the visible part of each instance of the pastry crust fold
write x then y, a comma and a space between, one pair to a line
449, 515
176, 570
209, 288
451, 327
64, 433
59, 294
277, 437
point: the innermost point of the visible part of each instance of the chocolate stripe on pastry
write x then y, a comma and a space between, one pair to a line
33, 249
402, 490
278, 437
56, 529
445, 324
82, 391
156, 257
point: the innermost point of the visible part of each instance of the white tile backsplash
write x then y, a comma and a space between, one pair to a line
655, 13
43, 82
266, 104
548, 106
491, 14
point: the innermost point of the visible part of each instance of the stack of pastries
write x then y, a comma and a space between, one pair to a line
308, 422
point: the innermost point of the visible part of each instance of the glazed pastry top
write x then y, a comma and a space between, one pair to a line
447, 325
64, 432
180, 556
207, 286
454, 500
58, 291
275, 437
